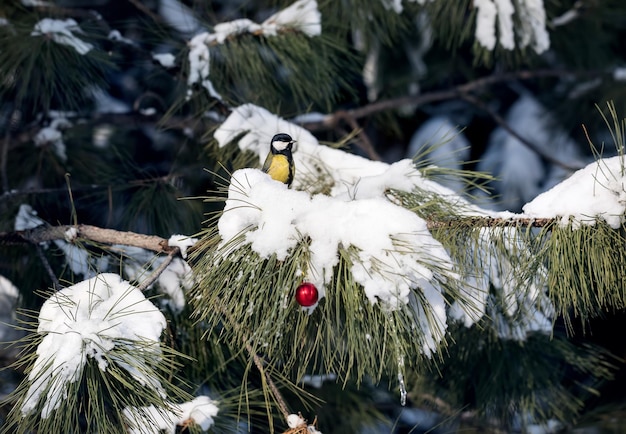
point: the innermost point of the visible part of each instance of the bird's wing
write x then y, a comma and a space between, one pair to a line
268, 161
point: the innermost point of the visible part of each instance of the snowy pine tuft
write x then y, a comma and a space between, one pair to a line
395, 250
495, 24
149, 420
93, 319
62, 32
302, 16
352, 176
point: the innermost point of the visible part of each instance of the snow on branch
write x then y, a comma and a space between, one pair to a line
393, 244
352, 176
62, 32
302, 16
531, 30
171, 273
200, 411
596, 192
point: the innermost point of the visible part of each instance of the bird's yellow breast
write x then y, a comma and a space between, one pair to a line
279, 168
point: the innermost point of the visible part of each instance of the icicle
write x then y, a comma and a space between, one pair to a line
402, 389
400, 358
401, 384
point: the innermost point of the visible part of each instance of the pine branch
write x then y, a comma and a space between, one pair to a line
490, 222
157, 244
93, 233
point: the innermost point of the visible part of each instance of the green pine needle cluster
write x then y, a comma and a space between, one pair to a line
543, 377
345, 334
585, 264
60, 84
294, 68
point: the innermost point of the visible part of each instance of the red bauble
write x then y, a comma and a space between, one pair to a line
306, 294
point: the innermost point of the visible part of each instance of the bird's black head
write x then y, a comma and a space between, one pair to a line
282, 142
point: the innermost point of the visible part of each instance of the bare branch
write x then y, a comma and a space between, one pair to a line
425, 98
93, 233
504, 124
364, 143
156, 273
56, 285
461, 91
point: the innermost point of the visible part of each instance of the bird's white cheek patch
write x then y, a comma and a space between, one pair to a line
280, 146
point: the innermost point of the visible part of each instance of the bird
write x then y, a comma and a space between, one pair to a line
279, 162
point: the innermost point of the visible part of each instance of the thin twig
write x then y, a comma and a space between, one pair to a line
505, 125
282, 406
156, 18
56, 285
258, 362
156, 273
364, 143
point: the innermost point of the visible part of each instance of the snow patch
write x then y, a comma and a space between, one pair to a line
62, 32
596, 192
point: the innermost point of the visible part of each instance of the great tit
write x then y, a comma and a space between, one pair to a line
279, 162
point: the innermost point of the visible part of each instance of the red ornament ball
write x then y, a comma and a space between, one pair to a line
306, 294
